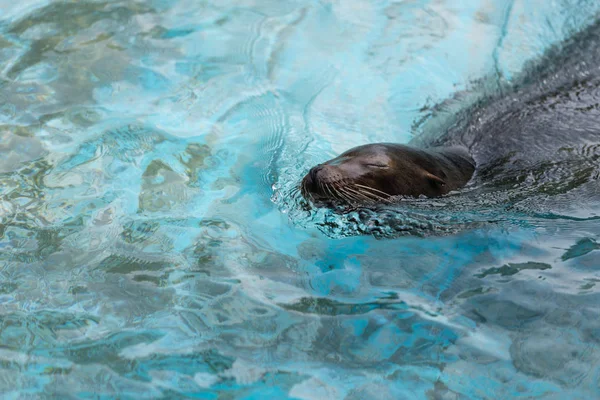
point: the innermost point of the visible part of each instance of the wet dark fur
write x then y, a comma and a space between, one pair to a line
546, 125
378, 172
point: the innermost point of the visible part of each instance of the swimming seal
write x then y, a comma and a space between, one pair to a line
532, 139
378, 172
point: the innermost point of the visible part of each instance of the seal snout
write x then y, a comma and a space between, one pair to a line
314, 171
310, 183
317, 182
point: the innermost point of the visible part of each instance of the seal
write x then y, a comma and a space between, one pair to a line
378, 172
534, 139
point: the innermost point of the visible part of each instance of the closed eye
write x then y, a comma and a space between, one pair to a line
377, 165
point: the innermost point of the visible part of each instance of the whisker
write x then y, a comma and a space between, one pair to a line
366, 194
343, 194
375, 193
320, 185
349, 196
304, 190
349, 192
325, 189
329, 190
345, 190
372, 189
378, 198
362, 196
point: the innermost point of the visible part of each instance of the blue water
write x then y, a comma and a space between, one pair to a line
149, 248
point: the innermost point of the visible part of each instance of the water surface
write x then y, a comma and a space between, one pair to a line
148, 247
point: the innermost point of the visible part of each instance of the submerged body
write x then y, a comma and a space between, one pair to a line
380, 171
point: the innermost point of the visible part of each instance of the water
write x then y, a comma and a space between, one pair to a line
150, 244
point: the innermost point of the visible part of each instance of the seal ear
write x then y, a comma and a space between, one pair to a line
436, 180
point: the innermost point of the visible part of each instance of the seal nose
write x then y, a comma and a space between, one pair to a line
314, 171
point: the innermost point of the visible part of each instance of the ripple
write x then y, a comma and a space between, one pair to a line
154, 243
568, 365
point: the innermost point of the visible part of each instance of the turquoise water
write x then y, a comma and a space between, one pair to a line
149, 248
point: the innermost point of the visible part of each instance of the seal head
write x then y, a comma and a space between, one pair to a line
375, 173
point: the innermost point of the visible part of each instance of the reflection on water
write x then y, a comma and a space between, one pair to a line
151, 244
